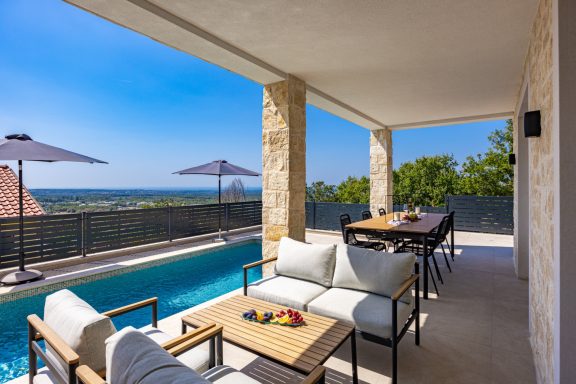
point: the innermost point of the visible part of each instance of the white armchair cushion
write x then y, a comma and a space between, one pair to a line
197, 358
310, 262
80, 326
132, 357
370, 313
372, 271
282, 290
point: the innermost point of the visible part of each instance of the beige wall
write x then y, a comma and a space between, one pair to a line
538, 77
283, 164
380, 170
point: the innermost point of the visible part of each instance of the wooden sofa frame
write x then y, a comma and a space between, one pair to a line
38, 330
396, 337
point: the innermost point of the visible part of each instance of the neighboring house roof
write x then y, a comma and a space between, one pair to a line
9, 196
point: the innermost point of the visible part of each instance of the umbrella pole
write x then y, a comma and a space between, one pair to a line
219, 207
21, 214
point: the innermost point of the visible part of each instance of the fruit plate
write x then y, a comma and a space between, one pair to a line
274, 322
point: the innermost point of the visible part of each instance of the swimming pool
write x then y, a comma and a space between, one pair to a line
179, 285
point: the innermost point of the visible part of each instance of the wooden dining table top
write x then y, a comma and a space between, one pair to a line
426, 224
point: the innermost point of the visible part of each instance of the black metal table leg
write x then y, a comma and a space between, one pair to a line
354, 357
425, 271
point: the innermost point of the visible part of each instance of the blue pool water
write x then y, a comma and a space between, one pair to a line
178, 285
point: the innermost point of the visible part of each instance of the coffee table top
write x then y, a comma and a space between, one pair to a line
301, 348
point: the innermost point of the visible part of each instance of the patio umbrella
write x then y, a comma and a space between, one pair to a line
218, 168
21, 147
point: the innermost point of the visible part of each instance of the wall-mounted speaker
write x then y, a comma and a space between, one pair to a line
532, 125
511, 159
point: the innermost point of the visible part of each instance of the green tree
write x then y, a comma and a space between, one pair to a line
489, 174
354, 190
320, 191
427, 180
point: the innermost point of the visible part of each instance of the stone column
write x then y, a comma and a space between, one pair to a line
283, 164
380, 170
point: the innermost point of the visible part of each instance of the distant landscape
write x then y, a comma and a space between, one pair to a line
91, 200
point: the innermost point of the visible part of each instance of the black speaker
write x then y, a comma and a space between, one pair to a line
511, 159
532, 126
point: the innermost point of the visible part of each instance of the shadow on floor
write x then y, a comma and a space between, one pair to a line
266, 371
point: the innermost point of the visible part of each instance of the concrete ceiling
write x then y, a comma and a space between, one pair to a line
378, 63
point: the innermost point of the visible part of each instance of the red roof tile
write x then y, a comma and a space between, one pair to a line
9, 196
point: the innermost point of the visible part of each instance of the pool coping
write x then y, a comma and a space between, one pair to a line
118, 265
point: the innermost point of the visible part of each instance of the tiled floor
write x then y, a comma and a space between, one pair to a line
476, 331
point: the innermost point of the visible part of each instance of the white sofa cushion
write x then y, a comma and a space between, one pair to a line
372, 271
224, 374
80, 326
293, 293
370, 313
196, 358
132, 357
310, 262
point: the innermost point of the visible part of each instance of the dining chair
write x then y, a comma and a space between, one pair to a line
350, 237
382, 212
433, 242
366, 215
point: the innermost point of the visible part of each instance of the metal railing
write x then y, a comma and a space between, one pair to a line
53, 237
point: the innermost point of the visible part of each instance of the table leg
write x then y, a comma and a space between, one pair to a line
354, 357
425, 260
183, 327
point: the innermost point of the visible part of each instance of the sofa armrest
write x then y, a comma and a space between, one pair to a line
252, 265
86, 375
39, 330
259, 262
404, 287
317, 375
151, 302
199, 335
210, 332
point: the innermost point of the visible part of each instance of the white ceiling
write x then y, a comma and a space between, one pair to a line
395, 63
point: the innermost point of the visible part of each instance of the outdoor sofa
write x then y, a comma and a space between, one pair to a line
132, 358
74, 334
367, 288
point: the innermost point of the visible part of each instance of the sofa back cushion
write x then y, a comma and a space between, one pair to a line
372, 271
310, 262
132, 357
80, 326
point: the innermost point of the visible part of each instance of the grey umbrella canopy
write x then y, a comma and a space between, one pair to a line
21, 147
218, 168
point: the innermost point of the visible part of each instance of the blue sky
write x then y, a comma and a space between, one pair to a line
71, 79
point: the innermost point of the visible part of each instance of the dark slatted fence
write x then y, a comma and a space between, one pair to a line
45, 238
195, 220
491, 214
240, 215
54, 237
106, 231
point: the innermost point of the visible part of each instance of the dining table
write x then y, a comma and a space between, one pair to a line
423, 229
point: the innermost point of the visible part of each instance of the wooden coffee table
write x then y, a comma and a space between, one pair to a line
299, 348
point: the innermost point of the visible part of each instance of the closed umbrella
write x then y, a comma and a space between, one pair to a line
21, 147
218, 168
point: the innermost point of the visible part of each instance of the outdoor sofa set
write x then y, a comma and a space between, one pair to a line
364, 287
83, 346
368, 289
